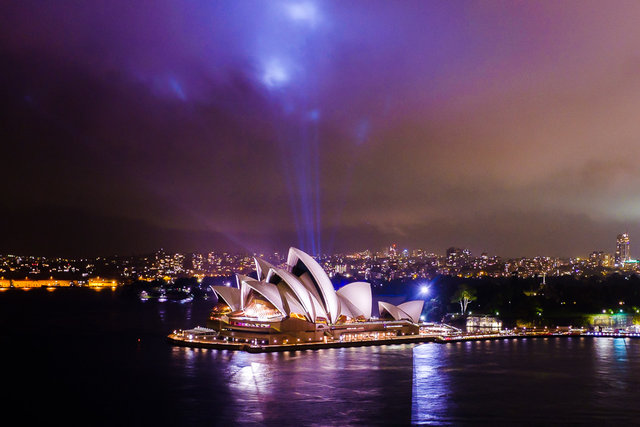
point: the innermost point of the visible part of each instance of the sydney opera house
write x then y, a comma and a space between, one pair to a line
298, 304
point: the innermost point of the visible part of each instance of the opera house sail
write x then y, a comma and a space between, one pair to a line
298, 304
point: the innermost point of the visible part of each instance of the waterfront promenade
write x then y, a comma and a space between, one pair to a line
201, 338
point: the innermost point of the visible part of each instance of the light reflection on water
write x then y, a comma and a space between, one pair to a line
430, 388
567, 380
117, 350
581, 380
328, 387
614, 376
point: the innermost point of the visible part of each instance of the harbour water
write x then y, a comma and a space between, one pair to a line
95, 358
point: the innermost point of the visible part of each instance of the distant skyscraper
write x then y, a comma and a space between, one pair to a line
393, 252
622, 249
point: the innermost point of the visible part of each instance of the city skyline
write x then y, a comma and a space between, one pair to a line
620, 254
306, 212
386, 265
333, 127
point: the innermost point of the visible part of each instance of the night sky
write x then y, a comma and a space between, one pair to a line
508, 127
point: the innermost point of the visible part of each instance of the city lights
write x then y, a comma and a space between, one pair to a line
380, 213
375, 267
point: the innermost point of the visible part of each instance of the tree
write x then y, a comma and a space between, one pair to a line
464, 295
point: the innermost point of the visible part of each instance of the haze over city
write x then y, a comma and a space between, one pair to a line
503, 127
306, 212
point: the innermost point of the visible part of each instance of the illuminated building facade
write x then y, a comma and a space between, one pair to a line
26, 283
298, 304
622, 250
599, 259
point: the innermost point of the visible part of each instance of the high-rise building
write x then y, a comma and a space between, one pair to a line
622, 249
393, 252
599, 259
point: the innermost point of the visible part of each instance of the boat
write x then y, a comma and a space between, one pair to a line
162, 295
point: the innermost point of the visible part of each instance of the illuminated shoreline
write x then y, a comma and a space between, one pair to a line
200, 342
186, 340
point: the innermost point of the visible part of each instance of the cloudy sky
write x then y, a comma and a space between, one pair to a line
508, 127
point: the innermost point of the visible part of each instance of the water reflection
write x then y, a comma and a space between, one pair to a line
430, 385
534, 381
499, 381
369, 385
167, 311
614, 379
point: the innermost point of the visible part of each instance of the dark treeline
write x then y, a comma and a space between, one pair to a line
561, 299
197, 288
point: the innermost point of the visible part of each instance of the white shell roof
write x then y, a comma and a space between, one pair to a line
292, 303
270, 292
413, 309
327, 291
231, 296
410, 310
310, 293
262, 267
301, 293
358, 294
346, 308
244, 290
